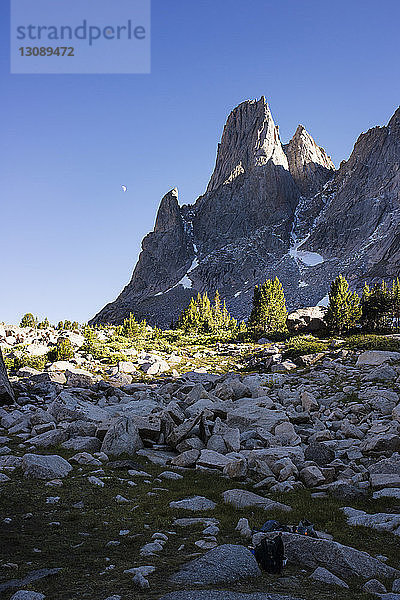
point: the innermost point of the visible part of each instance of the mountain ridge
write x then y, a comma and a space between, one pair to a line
270, 209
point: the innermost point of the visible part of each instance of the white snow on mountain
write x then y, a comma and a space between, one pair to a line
185, 282
324, 301
308, 258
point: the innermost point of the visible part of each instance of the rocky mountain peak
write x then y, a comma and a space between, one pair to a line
250, 139
395, 120
169, 214
271, 210
309, 164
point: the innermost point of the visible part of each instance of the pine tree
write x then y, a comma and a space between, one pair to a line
28, 320
131, 328
396, 303
202, 316
44, 324
344, 310
381, 306
269, 308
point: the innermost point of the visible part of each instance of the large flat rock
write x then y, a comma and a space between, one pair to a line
244, 499
45, 467
225, 564
376, 357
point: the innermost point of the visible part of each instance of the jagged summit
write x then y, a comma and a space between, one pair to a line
250, 139
309, 164
168, 214
271, 210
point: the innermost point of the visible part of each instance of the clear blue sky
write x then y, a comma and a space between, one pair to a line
69, 237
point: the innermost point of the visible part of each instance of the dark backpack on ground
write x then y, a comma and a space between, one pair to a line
270, 554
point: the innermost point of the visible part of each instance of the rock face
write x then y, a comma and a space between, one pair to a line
366, 189
6, 391
271, 210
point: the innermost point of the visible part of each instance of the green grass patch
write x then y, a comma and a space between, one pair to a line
304, 344
373, 342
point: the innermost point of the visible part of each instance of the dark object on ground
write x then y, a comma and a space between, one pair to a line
272, 525
125, 465
304, 528
6, 391
270, 554
29, 578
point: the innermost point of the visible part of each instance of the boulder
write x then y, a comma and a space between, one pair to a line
245, 499
384, 480
312, 476
122, 438
343, 561
376, 357
387, 493
82, 443
50, 438
248, 415
27, 595
225, 564
384, 442
325, 576
378, 521
6, 391
212, 460
319, 453
45, 467
186, 459
387, 465
307, 320
194, 503
373, 586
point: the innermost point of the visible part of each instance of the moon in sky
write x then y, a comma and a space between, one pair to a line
124, 188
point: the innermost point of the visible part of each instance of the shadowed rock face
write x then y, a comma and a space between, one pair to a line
360, 226
266, 208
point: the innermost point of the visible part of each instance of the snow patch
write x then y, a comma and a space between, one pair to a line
194, 264
195, 248
303, 284
324, 301
237, 294
185, 282
309, 258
